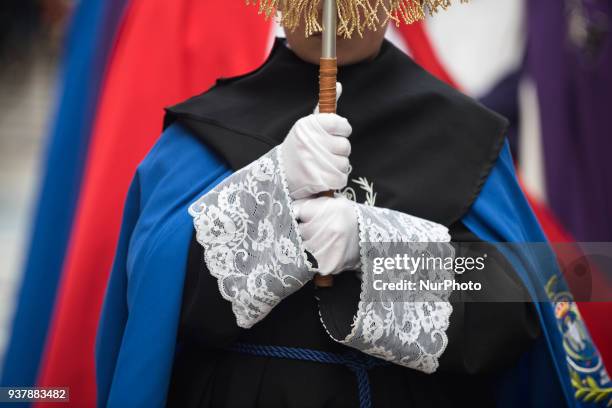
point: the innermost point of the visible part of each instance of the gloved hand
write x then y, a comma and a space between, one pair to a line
315, 154
330, 232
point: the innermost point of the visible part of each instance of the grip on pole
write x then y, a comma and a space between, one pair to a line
328, 72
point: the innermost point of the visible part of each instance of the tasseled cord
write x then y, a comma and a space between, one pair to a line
353, 15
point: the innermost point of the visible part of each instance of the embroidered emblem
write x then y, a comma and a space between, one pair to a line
587, 372
363, 185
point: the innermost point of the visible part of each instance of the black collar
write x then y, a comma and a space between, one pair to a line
427, 148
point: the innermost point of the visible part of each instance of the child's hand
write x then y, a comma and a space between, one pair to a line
330, 232
315, 155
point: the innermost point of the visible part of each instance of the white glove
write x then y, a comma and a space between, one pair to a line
330, 232
315, 154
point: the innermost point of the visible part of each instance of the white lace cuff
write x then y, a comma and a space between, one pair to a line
251, 240
404, 328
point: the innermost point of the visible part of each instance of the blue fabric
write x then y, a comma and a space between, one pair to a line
89, 41
137, 333
501, 214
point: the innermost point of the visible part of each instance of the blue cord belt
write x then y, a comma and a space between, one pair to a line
355, 361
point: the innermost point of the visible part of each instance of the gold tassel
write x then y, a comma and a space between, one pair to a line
353, 15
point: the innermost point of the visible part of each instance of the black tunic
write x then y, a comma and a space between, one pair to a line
452, 144
484, 339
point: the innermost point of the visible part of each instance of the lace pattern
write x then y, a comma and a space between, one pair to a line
252, 246
409, 331
251, 240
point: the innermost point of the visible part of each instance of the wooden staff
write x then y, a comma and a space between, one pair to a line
328, 72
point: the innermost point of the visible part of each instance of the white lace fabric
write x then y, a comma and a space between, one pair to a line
409, 330
251, 240
252, 246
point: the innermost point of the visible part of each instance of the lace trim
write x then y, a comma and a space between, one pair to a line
408, 332
251, 239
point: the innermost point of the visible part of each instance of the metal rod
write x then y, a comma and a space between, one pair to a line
329, 29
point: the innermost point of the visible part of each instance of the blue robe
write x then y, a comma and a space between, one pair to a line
137, 333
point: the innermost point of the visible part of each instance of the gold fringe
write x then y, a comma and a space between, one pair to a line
353, 15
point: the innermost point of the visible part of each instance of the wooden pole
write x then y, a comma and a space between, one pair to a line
328, 72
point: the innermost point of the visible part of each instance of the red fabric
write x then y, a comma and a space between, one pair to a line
597, 317
416, 39
553, 230
165, 52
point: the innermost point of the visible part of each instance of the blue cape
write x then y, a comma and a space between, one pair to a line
137, 332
